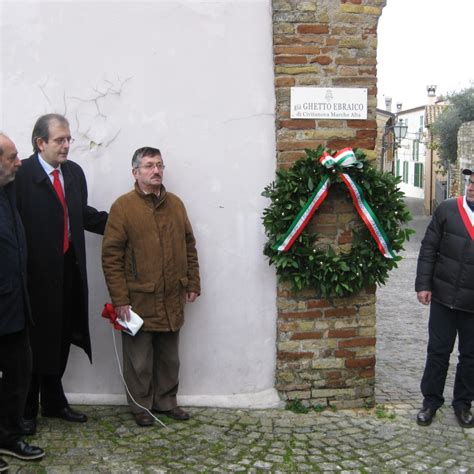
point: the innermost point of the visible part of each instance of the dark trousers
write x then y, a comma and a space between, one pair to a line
151, 369
444, 325
15, 370
49, 387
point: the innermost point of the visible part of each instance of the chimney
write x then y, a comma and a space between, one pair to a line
431, 89
388, 104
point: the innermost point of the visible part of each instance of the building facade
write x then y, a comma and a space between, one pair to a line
410, 153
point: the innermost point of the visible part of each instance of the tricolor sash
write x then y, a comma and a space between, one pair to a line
467, 215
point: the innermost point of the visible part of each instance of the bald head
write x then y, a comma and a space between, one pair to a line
9, 161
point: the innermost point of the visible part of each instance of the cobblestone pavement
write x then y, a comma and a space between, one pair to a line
384, 439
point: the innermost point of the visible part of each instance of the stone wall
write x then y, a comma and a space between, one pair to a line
465, 149
465, 159
326, 347
454, 188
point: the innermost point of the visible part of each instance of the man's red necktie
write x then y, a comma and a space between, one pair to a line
60, 193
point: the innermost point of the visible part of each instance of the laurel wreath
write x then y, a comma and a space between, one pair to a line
333, 271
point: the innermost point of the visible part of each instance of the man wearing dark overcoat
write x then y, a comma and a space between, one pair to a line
445, 279
52, 201
15, 353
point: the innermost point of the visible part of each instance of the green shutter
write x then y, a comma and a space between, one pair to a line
419, 175
405, 171
416, 150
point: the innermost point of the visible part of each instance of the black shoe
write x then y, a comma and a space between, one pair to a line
66, 413
3, 465
176, 413
425, 416
28, 427
22, 450
465, 418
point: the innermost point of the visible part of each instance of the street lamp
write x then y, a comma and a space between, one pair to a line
394, 133
400, 130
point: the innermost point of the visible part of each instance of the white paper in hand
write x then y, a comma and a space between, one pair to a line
133, 326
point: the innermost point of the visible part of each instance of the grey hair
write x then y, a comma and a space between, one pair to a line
41, 128
142, 153
1, 148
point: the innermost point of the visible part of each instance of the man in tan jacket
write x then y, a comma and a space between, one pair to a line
150, 263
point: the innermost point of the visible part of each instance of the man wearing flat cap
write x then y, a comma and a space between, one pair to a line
445, 280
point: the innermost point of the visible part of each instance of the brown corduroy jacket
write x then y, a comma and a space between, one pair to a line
149, 257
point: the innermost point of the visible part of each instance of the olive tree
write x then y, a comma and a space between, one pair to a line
446, 126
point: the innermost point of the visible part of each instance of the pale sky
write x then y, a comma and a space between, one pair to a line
423, 42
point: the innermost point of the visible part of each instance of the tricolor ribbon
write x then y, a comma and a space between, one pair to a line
344, 158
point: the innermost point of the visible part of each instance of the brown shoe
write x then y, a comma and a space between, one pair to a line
143, 418
176, 413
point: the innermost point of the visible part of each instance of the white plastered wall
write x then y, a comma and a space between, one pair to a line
195, 79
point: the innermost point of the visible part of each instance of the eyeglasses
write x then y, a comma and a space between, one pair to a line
150, 166
61, 141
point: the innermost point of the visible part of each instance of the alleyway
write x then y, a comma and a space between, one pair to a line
385, 439
402, 325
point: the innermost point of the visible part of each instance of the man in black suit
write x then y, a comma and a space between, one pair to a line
52, 202
15, 353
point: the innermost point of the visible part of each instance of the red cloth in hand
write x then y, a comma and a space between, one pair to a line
109, 313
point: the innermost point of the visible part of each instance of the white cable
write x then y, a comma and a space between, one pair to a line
125, 384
